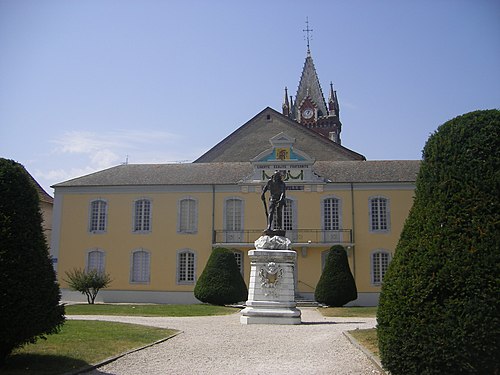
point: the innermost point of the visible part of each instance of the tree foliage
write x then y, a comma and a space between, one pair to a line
221, 282
30, 297
336, 286
87, 282
439, 310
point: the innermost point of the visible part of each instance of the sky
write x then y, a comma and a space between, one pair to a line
87, 85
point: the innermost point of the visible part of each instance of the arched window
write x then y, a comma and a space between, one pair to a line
380, 260
95, 260
379, 214
98, 216
140, 266
186, 267
187, 215
142, 215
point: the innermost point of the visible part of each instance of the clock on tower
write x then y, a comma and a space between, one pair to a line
307, 113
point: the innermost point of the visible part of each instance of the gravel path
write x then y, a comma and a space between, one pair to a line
221, 345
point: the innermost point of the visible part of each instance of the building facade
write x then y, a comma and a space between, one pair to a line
153, 227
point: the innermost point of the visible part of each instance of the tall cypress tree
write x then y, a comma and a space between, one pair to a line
439, 310
30, 297
336, 286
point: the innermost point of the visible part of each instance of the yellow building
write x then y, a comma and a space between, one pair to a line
46, 206
153, 227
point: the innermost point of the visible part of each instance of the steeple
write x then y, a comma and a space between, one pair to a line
310, 108
309, 87
333, 104
286, 104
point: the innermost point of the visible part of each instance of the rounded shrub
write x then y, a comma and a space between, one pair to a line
439, 310
30, 297
221, 282
336, 286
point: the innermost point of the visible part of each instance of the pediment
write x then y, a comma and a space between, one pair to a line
283, 156
282, 150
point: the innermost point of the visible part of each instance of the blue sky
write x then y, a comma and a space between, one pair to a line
83, 84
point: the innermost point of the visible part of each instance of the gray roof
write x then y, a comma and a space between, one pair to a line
376, 171
234, 172
252, 138
165, 174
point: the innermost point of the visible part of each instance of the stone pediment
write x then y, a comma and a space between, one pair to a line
282, 150
295, 165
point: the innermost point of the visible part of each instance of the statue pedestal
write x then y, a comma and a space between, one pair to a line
271, 290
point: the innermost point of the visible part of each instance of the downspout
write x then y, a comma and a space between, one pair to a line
353, 232
213, 214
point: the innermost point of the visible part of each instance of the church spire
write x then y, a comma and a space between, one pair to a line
309, 87
309, 108
333, 103
286, 104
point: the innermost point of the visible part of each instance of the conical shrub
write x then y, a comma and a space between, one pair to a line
221, 282
30, 296
439, 310
336, 286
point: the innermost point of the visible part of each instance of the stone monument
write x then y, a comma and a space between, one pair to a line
271, 290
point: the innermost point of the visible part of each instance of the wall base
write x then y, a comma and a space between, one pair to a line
132, 296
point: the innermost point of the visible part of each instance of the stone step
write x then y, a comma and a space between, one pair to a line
306, 303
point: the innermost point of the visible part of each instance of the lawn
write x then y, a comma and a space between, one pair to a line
150, 310
79, 344
367, 338
339, 312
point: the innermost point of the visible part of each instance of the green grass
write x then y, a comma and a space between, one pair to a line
368, 338
79, 344
340, 312
150, 310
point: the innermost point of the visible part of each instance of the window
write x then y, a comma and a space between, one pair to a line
380, 262
186, 272
95, 261
288, 216
188, 216
379, 214
233, 220
331, 220
239, 259
142, 215
331, 217
140, 270
289, 219
98, 216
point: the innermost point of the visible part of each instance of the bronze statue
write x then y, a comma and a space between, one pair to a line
277, 200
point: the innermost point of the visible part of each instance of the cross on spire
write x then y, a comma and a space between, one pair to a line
307, 30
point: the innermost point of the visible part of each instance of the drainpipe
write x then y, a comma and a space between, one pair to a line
352, 233
213, 214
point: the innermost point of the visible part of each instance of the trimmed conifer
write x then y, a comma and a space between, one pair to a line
221, 282
30, 297
336, 286
439, 310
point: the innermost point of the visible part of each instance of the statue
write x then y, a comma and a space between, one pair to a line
277, 201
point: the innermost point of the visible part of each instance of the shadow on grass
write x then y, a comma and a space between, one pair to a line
39, 364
